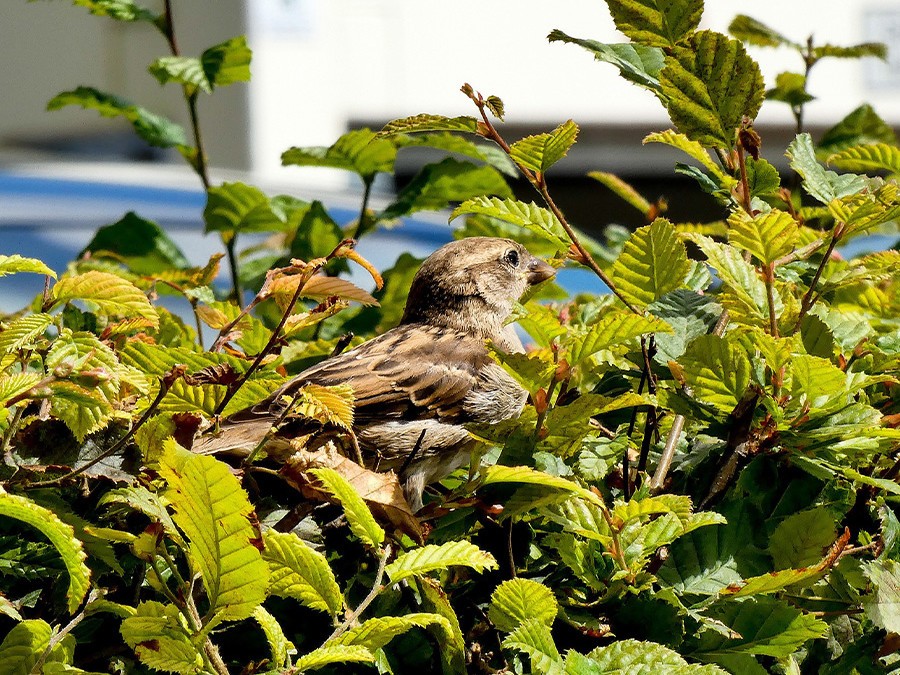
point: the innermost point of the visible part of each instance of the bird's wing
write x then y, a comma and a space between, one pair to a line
411, 372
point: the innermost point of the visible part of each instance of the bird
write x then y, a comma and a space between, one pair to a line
417, 385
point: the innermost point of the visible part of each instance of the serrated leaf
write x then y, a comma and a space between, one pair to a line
297, 571
876, 49
861, 126
322, 287
864, 158
767, 236
444, 140
747, 295
433, 557
534, 639
528, 215
637, 63
61, 535
660, 24
802, 538
692, 148
716, 371
362, 151
425, 122
154, 129
279, 645
497, 474
790, 88
82, 410
359, 517
375, 633
111, 294
653, 262
883, 606
453, 651
633, 657
213, 511
12, 264
689, 314
23, 331
159, 639
325, 656
766, 627
141, 244
149, 503
23, 645
16, 384
710, 84
622, 190
220, 65
450, 180
515, 601
825, 186
615, 327
240, 208
757, 33
539, 152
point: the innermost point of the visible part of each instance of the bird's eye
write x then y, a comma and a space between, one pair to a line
512, 257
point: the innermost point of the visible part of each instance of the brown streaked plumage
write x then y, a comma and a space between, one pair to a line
430, 374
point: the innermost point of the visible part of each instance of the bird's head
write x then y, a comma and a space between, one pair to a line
472, 284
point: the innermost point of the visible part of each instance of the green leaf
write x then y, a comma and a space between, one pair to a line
220, 65
360, 519
876, 49
622, 190
433, 557
790, 88
516, 601
120, 10
866, 158
24, 645
450, 142
637, 63
703, 562
297, 571
141, 244
632, 657
762, 178
802, 538
424, 122
453, 649
111, 294
533, 638
61, 535
16, 384
751, 31
767, 236
716, 371
689, 315
213, 511
23, 332
375, 633
160, 640
538, 153
862, 126
653, 262
82, 410
746, 299
450, 180
280, 646
361, 151
13, 264
497, 474
528, 215
154, 129
325, 656
651, 22
825, 186
883, 606
615, 327
765, 626
236, 207
710, 85
692, 148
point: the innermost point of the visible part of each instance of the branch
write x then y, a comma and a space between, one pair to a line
377, 587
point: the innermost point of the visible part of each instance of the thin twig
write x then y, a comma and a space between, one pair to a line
809, 299
57, 637
361, 228
377, 587
668, 453
769, 275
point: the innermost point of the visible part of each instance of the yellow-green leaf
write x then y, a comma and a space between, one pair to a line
653, 262
11, 264
297, 571
359, 517
660, 24
325, 656
22, 332
438, 557
61, 535
529, 215
716, 371
768, 236
522, 474
693, 149
538, 153
111, 294
615, 327
159, 637
214, 513
516, 600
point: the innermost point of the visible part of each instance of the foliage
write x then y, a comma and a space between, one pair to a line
704, 479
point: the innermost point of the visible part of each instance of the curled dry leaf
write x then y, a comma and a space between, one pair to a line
381, 491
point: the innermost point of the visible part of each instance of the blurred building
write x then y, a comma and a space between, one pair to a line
321, 67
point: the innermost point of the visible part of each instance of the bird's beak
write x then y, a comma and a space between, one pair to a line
539, 271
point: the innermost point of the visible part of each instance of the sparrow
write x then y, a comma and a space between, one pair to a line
416, 386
